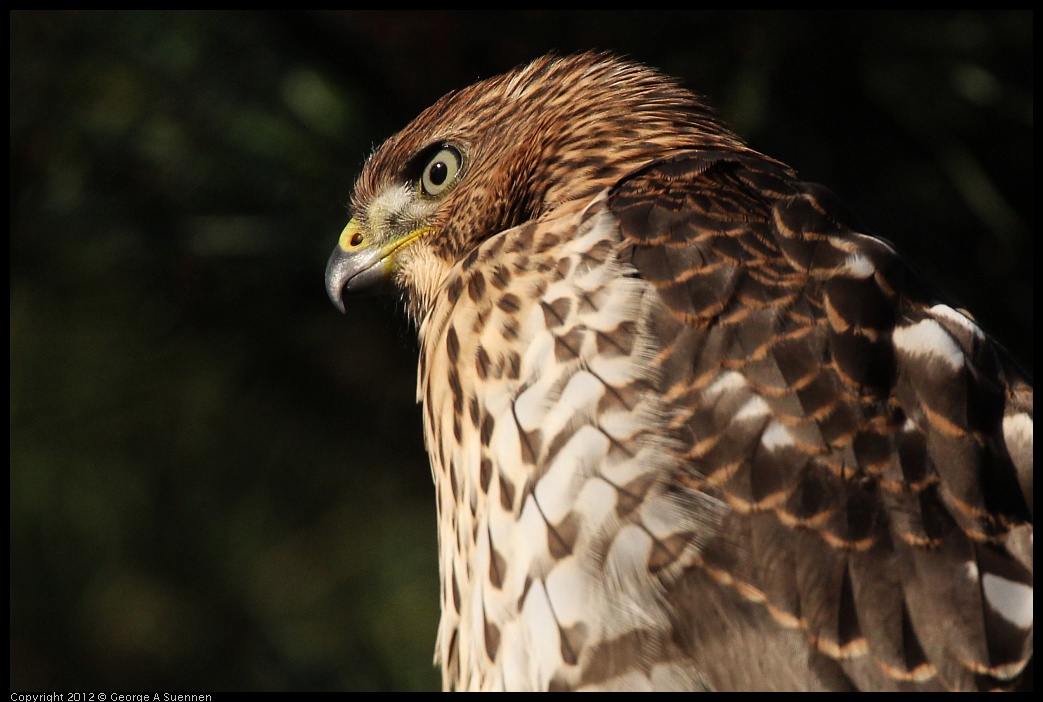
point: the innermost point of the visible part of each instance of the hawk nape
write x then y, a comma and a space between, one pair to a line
689, 429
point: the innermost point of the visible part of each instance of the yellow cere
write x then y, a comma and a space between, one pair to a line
350, 229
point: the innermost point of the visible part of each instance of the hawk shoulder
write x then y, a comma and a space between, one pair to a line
874, 443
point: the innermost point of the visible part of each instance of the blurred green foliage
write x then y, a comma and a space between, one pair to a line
217, 482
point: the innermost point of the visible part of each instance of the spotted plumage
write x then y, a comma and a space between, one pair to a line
689, 428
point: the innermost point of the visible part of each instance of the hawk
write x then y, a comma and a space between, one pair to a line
689, 427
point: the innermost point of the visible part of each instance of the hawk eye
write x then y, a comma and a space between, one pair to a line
441, 171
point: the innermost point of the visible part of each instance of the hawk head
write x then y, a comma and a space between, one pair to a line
501, 152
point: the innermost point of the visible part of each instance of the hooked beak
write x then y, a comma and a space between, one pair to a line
359, 264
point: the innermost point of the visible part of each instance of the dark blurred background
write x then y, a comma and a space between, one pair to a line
218, 482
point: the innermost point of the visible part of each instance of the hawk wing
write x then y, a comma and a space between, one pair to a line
875, 446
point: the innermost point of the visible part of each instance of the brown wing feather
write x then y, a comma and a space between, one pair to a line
873, 441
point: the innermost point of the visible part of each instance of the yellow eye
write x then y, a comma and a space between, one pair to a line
441, 172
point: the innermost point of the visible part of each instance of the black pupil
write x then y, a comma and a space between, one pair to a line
439, 172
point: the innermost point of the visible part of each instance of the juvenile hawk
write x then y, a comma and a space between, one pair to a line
689, 429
